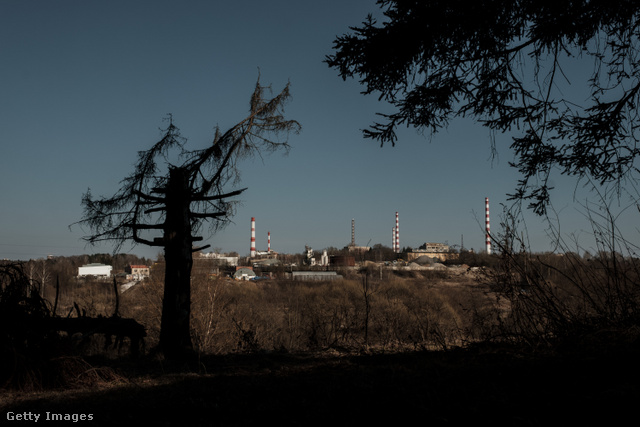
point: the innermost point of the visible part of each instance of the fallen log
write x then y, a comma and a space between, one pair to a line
107, 326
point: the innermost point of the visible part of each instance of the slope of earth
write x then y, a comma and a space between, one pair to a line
435, 388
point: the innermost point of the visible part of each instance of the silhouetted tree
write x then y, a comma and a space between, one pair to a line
177, 198
503, 63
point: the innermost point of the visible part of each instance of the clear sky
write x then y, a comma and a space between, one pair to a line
84, 85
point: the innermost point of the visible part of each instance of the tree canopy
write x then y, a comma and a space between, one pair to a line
505, 63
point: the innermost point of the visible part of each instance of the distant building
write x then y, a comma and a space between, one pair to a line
266, 263
438, 251
97, 270
244, 273
315, 275
354, 248
324, 259
220, 258
434, 247
138, 272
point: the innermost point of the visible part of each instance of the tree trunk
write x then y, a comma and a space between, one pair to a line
175, 333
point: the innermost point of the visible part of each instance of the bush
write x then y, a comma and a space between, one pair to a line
563, 300
347, 315
33, 355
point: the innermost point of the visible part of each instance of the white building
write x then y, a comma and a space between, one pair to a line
223, 259
98, 270
315, 275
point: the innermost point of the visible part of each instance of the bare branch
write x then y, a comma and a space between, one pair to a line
147, 226
207, 215
218, 196
196, 249
149, 198
158, 209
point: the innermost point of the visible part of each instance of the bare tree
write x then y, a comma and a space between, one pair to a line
177, 198
44, 276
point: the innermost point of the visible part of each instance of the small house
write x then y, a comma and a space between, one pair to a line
137, 272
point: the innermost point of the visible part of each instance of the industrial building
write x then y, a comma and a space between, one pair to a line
439, 251
434, 247
315, 275
96, 270
137, 272
220, 259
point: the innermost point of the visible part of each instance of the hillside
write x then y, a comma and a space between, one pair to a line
458, 387
392, 350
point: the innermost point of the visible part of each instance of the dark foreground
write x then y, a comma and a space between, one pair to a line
598, 387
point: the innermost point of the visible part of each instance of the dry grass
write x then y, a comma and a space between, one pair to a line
293, 353
438, 388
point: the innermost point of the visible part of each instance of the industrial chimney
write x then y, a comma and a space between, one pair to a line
253, 237
353, 232
397, 234
488, 229
393, 239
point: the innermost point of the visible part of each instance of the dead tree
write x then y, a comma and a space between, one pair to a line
177, 198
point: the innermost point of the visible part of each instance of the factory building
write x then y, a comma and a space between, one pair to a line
315, 275
220, 259
434, 247
438, 251
97, 270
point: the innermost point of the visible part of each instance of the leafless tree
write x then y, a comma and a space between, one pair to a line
176, 198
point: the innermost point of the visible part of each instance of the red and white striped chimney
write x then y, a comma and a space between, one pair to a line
397, 234
268, 242
488, 229
253, 237
393, 239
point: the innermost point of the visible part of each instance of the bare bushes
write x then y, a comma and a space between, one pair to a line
564, 298
33, 355
346, 315
568, 299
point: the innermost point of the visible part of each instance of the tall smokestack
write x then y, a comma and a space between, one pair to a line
353, 232
488, 229
268, 241
393, 239
397, 234
253, 237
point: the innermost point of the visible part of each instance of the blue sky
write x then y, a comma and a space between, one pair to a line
86, 84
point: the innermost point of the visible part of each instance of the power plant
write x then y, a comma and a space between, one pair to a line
253, 253
395, 239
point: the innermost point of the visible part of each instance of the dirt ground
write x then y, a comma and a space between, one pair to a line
461, 387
